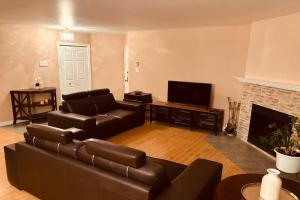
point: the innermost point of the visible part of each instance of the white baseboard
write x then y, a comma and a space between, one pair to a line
7, 123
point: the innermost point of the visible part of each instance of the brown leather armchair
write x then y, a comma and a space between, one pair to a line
98, 113
51, 165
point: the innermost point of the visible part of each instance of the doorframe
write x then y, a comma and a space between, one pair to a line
126, 68
88, 46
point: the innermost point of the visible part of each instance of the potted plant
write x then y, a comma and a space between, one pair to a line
286, 143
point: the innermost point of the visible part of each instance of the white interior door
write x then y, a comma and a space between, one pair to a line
75, 73
126, 69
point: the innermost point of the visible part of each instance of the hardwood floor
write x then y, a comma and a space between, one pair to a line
179, 145
175, 144
7, 191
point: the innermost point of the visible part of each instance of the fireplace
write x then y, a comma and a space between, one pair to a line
265, 102
261, 118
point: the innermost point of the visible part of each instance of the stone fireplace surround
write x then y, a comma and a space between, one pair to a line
281, 97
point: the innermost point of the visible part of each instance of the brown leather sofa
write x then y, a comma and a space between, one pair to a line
52, 165
98, 113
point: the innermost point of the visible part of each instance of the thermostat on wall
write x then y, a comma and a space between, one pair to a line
137, 66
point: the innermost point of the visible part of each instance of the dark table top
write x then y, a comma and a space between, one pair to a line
138, 94
142, 97
230, 188
33, 90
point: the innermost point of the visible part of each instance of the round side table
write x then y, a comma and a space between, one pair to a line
230, 188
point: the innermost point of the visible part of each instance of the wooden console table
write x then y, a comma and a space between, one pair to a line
23, 103
193, 116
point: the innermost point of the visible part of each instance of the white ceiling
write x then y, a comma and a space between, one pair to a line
124, 15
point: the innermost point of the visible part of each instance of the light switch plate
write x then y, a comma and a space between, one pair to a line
43, 63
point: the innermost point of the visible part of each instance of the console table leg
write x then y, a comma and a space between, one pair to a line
170, 116
13, 103
29, 107
216, 125
151, 113
192, 120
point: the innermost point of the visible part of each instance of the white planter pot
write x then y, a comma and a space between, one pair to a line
287, 164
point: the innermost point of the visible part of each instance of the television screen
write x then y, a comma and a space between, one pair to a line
189, 93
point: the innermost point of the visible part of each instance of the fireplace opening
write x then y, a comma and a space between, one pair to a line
261, 118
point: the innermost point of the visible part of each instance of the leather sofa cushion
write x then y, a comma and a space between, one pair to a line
105, 103
69, 149
173, 169
82, 106
105, 120
151, 174
98, 92
117, 153
131, 105
122, 114
76, 95
50, 133
64, 106
78, 134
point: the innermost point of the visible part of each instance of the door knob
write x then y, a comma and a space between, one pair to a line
70, 84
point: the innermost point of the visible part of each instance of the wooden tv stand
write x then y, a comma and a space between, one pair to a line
190, 115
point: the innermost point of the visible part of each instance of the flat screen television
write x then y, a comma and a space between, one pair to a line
189, 93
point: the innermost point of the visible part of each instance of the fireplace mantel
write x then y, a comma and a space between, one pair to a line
279, 85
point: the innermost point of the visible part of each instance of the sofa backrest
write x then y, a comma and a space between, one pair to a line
117, 153
89, 102
105, 103
123, 162
97, 92
78, 95
52, 139
50, 176
49, 133
82, 106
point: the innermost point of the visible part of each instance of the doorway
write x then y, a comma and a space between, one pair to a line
74, 68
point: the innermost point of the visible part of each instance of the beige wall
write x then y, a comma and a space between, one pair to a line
107, 52
213, 55
266, 49
274, 49
21, 47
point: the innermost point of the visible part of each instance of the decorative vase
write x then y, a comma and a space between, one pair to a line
287, 164
38, 83
271, 185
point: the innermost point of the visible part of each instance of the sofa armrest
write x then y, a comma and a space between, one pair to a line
197, 181
131, 105
78, 134
68, 120
11, 165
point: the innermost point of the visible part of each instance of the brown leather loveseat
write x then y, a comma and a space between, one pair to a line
98, 113
52, 165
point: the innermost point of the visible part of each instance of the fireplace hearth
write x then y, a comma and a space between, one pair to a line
261, 118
